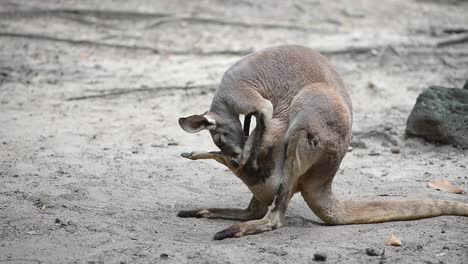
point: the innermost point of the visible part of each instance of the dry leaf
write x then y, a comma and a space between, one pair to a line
446, 186
393, 241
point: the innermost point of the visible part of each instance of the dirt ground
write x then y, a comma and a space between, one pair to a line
90, 94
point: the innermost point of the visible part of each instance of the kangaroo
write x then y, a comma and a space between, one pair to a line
304, 120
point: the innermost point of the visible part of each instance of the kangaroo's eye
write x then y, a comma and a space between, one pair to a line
218, 140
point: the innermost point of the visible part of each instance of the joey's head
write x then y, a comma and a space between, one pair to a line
227, 133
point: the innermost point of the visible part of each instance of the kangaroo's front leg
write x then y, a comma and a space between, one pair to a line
255, 210
249, 159
214, 155
273, 219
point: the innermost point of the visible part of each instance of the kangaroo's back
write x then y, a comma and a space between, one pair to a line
278, 74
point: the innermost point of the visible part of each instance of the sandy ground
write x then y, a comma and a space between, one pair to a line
90, 94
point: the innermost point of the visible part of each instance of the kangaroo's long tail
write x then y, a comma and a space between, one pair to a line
333, 211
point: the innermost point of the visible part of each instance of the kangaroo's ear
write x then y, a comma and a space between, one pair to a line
195, 123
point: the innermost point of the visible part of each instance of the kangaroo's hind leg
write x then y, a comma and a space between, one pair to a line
273, 219
290, 167
255, 210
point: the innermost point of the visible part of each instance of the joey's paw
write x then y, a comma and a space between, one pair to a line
187, 155
230, 232
203, 213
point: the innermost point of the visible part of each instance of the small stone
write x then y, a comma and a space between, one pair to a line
445, 247
172, 143
358, 144
373, 153
395, 150
135, 151
419, 247
15, 175
164, 256
372, 252
57, 221
442, 231
319, 256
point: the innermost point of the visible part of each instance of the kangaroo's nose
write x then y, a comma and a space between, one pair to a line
236, 161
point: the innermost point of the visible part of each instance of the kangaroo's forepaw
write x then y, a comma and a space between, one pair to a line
194, 213
251, 165
230, 232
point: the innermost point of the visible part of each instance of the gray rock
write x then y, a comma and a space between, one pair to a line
441, 115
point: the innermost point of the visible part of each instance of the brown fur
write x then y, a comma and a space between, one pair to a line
304, 119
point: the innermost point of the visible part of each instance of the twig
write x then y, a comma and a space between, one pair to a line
20, 260
82, 12
354, 50
453, 41
215, 21
120, 91
455, 30
446, 63
456, 53
377, 134
76, 42
122, 46
84, 20
163, 18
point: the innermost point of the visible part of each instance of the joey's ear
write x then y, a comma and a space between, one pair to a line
195, 123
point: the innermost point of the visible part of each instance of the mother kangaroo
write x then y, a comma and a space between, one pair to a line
304, 119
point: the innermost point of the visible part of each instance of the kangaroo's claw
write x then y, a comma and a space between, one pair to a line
187, 155
230, 232
186, 214
202, 213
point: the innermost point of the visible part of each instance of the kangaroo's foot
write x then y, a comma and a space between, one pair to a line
251, 227
255, 210
272, 220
